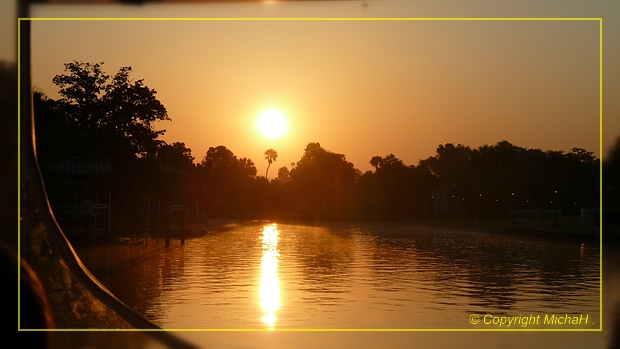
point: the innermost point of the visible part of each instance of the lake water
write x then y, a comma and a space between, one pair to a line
354, 276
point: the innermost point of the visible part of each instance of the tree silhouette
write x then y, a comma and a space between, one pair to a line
271, 156
104, 116
175, 155
284, 175
322, 174
117, 113
376, 162
230, 181
81, 90
394, 190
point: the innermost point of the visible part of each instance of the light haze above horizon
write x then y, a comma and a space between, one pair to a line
359, 88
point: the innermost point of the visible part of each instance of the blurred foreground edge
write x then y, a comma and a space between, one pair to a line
56, 291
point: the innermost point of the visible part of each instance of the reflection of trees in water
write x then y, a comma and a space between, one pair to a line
136, 275
463, 269
326, 258
391, 264
215, 266
492, 270
226, 263
160, 278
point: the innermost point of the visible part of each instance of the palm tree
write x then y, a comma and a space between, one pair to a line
271, 156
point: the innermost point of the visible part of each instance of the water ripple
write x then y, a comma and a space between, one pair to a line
362, 276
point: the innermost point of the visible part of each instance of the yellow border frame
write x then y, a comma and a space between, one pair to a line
600, 329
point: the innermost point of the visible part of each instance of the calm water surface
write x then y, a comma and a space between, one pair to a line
349, 276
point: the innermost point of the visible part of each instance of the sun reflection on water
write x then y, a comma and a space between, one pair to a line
270, 284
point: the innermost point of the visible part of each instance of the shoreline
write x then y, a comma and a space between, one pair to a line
490, 226
496, 227
88, 251
518, 232
133, 236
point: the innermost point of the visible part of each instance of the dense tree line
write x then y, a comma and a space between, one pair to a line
232, 186
109, 117
99, 115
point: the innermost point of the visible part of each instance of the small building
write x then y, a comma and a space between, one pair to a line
441, 196
184, 190
79, 189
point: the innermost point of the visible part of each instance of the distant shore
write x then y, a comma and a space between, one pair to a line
568, 227
565, 230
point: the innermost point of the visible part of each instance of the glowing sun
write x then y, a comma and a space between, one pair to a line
272, 124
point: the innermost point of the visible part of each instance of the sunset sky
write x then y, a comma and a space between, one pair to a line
360, 88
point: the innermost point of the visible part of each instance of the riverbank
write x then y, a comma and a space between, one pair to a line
215, 281
137, 236
568, 228
132, 248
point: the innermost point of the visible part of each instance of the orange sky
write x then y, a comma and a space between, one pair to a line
361, 88
442, 127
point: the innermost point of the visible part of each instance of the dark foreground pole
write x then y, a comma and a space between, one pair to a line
167, 231
480, 209
183, 228
167, 217
157, 229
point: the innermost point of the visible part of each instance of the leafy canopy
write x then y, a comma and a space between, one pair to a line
117, 107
